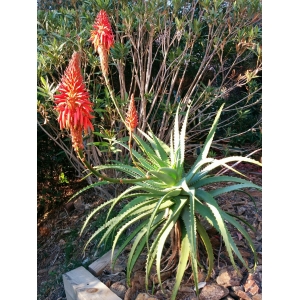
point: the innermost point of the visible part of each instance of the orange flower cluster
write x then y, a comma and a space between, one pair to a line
102, 38
131, 117
73, 104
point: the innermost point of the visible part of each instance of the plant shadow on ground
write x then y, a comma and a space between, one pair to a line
59, 246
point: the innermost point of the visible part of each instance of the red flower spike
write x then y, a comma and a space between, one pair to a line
73, 104
102, 34
102, 38
131, 117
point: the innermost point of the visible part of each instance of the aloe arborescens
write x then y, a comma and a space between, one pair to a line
165, 202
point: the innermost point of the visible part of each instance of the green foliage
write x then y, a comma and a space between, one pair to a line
63, 178
206, 52
167, 202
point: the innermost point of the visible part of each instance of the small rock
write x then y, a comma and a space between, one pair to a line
87, 206
259, 237
144, 296
123, 281
250, 286
118, 289
241, 210
69, 206
233, 295
130, 294
237, 288
254, 289
186, 289
169, 284
257, 297
201, 285
229, 277
139, 280
213, 292
79, 205
243, 295
160, 295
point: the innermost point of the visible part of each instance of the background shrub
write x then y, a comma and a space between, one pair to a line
198, 52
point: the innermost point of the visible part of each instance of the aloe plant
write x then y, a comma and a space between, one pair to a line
166, 202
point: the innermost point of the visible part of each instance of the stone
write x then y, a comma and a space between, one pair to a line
163, 295
186, 289
229, 277
243, 295
69, 206
144, 296
250, 285
213, 291
237, 288
119, 289
130, 294
79, 204
233, 290
241, 210
138, 281
254, 289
